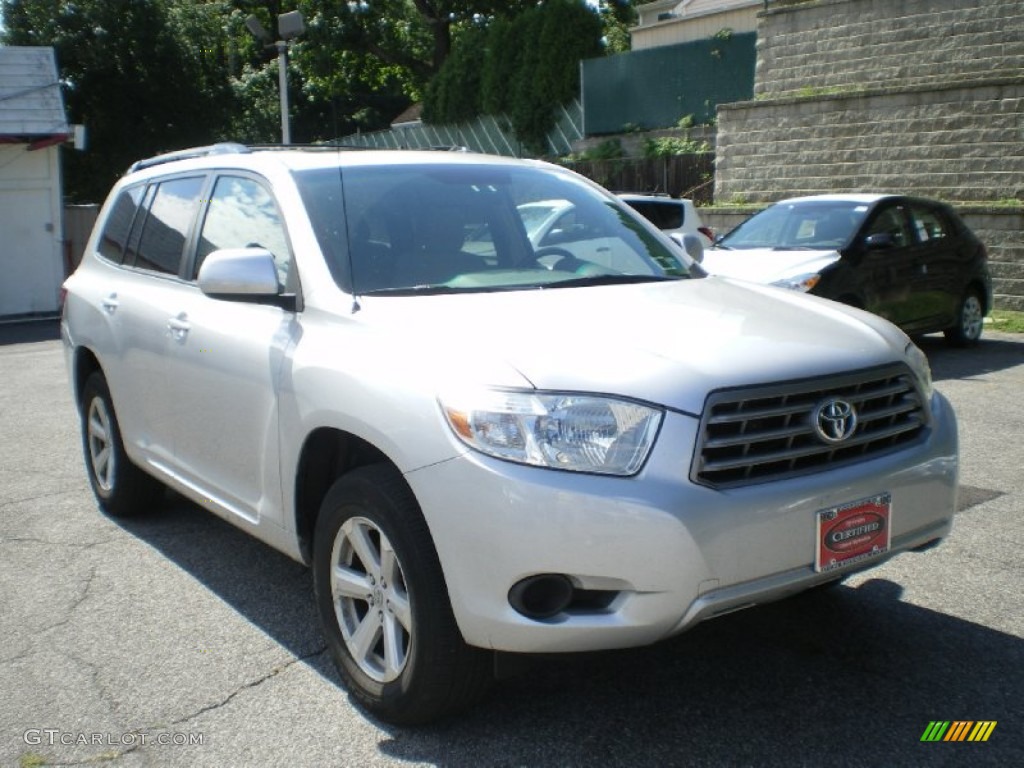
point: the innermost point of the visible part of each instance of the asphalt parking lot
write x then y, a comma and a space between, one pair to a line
175, 640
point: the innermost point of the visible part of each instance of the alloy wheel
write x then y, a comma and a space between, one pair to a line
371, 602
972, 318
100, 441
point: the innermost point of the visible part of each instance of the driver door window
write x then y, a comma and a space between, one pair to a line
242, 214
891, 221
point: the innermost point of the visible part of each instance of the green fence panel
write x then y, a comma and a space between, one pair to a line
655, 87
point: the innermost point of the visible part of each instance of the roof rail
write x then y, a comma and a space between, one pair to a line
323, 147
223, 148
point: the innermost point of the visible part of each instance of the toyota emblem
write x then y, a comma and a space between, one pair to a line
834, 420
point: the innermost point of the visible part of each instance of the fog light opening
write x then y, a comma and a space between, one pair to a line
541, 597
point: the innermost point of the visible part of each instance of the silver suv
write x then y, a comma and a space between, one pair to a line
479, 443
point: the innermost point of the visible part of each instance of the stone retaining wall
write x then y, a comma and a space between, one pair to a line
921, 97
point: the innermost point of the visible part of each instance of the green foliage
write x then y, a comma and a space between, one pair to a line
1007, 321
147, 76
454, 95
143, 75
610, 149
667, 146
617, 16
524, 67
506, 50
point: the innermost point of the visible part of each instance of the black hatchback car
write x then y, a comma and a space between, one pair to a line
912, 261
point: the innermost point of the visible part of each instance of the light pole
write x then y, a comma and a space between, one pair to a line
289, 26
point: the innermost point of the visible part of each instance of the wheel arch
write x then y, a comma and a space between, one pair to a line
84, 364
327, 454
978, 287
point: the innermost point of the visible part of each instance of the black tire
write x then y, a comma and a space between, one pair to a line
428, 671
970, 314
120, 487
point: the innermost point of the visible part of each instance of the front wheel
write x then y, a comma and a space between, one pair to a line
970, 319
384, 604
121, 488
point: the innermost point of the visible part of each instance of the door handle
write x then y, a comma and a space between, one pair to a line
110, 304
178, 327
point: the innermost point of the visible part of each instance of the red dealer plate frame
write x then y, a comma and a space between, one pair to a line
853, 532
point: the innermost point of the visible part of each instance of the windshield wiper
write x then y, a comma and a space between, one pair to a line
417, 290
610, 280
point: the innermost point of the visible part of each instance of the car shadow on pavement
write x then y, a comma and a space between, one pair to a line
840, 676
995, 353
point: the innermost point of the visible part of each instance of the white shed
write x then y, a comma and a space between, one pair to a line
32, 127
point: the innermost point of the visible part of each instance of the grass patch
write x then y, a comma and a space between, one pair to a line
1007, 321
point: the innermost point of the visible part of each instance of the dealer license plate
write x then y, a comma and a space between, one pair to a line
854, 532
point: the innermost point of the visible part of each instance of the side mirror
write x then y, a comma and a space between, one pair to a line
879, 241
244, 273
690, 243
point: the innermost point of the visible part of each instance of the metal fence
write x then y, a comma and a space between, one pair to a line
492, 135
655, 87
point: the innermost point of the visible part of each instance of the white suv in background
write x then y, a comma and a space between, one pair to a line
676, 216
478, 442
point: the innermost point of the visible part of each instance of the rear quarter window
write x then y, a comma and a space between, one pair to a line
113, 240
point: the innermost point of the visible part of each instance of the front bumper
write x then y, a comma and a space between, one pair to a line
667, 552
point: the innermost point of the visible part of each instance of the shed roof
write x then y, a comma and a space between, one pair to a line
31, 104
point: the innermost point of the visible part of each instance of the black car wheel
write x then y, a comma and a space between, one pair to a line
970, 320
384, 604
121, 488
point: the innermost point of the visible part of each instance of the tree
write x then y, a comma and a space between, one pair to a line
617, 16
412, 36
143, 75
523, 67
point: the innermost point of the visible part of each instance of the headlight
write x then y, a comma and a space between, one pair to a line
799, 282
919, 365
582, 433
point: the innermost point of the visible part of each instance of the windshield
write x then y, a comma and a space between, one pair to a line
402, 229
814, 224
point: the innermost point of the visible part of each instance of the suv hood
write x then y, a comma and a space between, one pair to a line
668, 343
766, 265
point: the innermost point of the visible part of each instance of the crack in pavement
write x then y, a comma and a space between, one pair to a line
76, 603
75, 490
140, 744
46, 542
252, 684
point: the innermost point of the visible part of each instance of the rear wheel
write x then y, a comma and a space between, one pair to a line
970, 320
121, 488
384, 604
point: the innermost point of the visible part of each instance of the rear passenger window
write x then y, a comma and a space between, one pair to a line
114, 237
242, 214
166, 229
928, 224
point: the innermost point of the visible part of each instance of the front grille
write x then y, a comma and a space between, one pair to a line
763, 433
